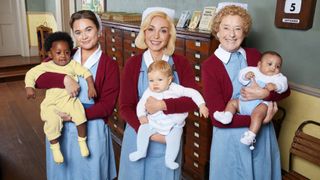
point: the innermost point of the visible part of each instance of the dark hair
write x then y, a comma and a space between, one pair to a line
84, 14
58, 36
271, 53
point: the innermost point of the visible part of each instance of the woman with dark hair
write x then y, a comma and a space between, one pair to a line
86, 28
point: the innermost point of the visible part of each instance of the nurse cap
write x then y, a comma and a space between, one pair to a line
168, 11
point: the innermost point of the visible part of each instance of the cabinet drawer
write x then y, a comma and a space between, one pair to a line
129, 45
180, 43
111, 31
196, 56
114, 40
130, 53
195, 166
198, 45
130, 35
200, 125
196, 154
189, 174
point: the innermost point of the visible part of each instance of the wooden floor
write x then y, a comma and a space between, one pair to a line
22, 149
6, 61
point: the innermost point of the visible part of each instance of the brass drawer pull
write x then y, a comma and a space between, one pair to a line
197, 78
114, 58
196, 145
115, 126
133, 45
197, 43
195, 164
133, 34
196, 154
113, 30
196, 113
196, 124
196, 134
113, 39
115, 110
113, 49
115, 117
197, 55
197, 67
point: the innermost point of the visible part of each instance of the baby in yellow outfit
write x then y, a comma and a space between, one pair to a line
59, 46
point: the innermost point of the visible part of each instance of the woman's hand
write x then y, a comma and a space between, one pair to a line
154, 105
64, 116
158, 138
272, 110
71, 86
254, 91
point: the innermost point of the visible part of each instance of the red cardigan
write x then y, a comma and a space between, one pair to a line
217, 88
106, 83
128, 98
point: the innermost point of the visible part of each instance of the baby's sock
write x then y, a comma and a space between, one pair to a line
57, 155
223, 117
135, 156
248, 138
83, 146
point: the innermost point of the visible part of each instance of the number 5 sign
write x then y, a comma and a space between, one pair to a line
295, 14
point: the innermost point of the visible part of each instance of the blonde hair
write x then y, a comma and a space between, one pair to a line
161, 66
140, 40
233, 11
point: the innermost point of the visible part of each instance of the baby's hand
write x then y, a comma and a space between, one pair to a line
30, 93
271, 87
143, 120
204, 111
92, 93
249, 75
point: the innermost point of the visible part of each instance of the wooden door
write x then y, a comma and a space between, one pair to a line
9, 36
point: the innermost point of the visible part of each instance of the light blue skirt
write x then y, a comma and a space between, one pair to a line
230, 159
100, 165
151, 167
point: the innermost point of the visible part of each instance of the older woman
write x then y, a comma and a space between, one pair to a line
100, 164
231, 159
157, 35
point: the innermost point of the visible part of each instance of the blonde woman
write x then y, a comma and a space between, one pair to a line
157, 36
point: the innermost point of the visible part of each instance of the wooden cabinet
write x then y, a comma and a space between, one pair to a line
118, 39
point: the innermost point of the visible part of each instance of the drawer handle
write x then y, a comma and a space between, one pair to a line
133, 34
115, 110
113, 39
133, 45
196, 154
196, 113
115, 118
197, 78
132, 54
113, 49
196, 134
197, 67
115, 126
114, 58
196, 145
196, 124
197, 43
197, 55
195, 164
113, 30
